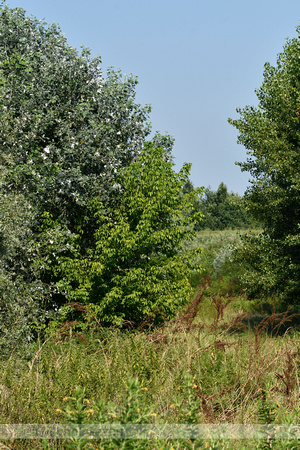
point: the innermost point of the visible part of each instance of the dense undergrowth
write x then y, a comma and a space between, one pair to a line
216, 363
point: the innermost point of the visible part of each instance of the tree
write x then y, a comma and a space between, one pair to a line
66, 129
20, 301
68, 135
65, 132
271, 135
221, 209
138, 267
24, 257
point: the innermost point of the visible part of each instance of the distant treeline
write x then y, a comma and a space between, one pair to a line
221, 209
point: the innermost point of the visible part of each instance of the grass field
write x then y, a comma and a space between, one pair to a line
216, 363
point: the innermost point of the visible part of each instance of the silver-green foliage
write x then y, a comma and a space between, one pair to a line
67, 128
103, 217
65, 132
20, 291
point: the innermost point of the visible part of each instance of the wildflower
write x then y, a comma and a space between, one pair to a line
154, 414
114, 416
86, 401
145, 389
71, 412
58, 410
195, 386
91, 411
64, 399
137, 409
172, 406
178, 389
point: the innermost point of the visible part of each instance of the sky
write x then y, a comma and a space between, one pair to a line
196, 62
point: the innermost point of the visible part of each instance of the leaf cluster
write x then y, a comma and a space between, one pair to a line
271, 136
136, 267
89, 211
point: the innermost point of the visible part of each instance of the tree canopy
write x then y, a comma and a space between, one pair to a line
223, 210
138, 267
271, 135
65, 128
220, 209
97, 210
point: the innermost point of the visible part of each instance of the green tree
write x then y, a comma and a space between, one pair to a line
66, 128
222, 210
271, 135
25, 257
138, 267
20, 291
65, 132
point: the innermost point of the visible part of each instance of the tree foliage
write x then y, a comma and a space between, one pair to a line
20, 290
65, 127
96, 216
223, 210
220, 209
271, 135
65, 131
136, 267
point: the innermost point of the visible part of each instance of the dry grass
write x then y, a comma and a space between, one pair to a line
239, 373
243, 371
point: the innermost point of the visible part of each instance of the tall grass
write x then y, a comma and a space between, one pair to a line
211, 365
235, 371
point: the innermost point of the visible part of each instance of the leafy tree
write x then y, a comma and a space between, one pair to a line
66, 128
137, 268
271, 135
71, 144
65, 132
20, 300
25, 256
221, 209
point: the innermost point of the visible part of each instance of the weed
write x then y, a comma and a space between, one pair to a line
213, 364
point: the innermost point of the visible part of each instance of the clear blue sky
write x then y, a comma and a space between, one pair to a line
196, 60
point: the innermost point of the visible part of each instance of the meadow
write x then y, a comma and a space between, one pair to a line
218, 362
